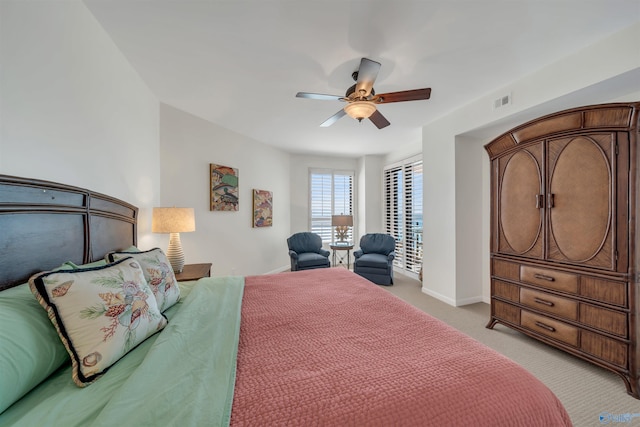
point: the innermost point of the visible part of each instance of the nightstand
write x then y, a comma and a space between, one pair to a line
194, 272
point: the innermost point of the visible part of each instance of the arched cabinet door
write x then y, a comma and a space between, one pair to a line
581, 200
519, 203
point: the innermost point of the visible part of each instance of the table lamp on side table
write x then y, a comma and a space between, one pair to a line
174, 221
342, 224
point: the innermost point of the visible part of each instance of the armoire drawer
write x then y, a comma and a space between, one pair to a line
550, 279
562, 307
504, 311
605, 348
612, 321
506, 290
607, 291
550, 327
505, 269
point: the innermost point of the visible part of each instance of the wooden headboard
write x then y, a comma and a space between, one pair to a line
44, 224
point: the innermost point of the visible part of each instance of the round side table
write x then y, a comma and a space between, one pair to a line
341, 246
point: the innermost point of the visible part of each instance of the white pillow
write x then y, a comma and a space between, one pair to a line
158, 273
100, 314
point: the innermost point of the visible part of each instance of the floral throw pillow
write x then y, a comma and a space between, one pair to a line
100, 313
158, 273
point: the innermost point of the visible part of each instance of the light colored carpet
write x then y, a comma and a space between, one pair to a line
586, 390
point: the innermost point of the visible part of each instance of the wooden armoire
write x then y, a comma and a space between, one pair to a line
565, 249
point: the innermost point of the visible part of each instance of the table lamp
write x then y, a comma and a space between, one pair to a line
342, 224
174, 221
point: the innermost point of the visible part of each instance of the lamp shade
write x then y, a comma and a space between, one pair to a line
173, 220
342, 220
360, 109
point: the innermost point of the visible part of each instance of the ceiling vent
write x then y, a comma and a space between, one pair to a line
502, 101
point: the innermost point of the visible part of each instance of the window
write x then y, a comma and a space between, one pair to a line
403, 212
330, 193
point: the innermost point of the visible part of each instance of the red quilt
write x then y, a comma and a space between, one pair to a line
327, 347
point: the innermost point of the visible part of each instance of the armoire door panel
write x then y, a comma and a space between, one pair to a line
580, 196
520, 210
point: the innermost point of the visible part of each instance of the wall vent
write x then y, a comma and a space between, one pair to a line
502, 101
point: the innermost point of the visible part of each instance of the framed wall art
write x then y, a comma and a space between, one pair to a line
262, 208
223, 188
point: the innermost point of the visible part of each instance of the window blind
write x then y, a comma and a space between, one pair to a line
413, 216
403, 212
331, 193
394, 209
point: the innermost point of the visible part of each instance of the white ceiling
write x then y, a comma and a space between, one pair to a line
239, 63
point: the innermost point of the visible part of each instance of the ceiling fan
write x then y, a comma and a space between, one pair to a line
361, 98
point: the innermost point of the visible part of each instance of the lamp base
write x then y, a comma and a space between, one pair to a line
342, 233
174, 253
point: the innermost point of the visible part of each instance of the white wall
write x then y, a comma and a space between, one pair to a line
403, 152
604, 72
226, 239
72, 109
370, 196
471, 247
439, 204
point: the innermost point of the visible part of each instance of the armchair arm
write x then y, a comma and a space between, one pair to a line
293, 254
391, 255
324, 252
358, 253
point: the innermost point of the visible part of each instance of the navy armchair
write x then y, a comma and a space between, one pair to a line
374, 259
305, 250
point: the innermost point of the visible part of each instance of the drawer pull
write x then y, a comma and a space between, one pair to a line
543, 277
547, 327
542, 301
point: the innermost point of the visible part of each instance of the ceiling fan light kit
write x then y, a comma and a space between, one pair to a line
361, 98
360, 109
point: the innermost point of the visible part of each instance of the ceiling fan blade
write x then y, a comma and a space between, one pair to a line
379, 120
405, 95
367, 74
331, 120
319, 96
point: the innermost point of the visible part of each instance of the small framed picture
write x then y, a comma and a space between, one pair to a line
223, 187
262, 208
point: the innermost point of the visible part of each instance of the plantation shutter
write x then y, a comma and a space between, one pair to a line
331, 193
321, 204
343, 197
413, 216
393, 208
403, 212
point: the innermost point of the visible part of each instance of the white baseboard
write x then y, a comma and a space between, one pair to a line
467, 301
436, 295
279, 270
451, 301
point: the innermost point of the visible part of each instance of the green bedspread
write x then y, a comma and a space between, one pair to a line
184, 375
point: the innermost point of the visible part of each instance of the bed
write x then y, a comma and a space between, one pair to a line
317, 347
